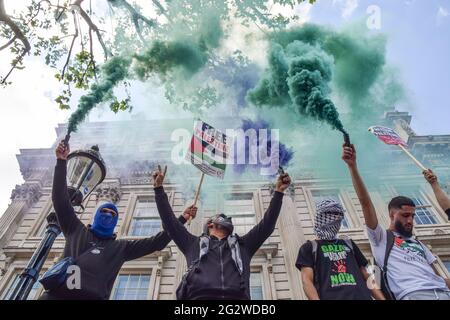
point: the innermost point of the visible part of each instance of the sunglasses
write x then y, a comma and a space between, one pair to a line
106, 210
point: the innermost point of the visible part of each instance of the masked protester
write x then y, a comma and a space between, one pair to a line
218, 260
407, 265
94, 249
332, 268
442, 198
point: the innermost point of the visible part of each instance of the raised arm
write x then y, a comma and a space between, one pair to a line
370, 216
442, 198
259, 233
142, 247
180, 235
67, 219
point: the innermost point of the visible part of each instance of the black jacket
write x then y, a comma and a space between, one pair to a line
217, 276
99, 267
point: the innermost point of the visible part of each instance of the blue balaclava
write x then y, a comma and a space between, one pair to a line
104, 223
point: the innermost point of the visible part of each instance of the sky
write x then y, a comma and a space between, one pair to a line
418, 47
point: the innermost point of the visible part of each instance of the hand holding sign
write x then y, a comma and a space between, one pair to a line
389, 136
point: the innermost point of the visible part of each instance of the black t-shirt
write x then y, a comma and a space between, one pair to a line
337, 270
448, 213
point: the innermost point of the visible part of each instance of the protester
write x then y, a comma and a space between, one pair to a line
95, 249
332, 268
218, 260
407, 266
442, 198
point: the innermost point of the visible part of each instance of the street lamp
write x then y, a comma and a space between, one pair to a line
85, 171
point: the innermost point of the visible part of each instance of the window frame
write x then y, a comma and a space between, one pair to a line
151, 272
9, 279
125, 229
256, 203
424, 197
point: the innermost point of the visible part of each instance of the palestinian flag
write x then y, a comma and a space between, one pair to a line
208, 150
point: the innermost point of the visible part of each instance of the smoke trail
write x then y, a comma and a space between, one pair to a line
189, 55
163, 57
304, 62
112, 72
237, 74
285, 154
299, 74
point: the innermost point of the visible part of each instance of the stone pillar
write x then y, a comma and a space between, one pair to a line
292, 236
23, 197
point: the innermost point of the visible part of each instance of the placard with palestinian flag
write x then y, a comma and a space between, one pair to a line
209, 149
387, 135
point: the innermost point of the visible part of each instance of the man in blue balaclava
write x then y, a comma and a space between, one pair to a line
95, 249
105, 220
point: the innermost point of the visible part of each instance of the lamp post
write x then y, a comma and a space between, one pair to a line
85, 171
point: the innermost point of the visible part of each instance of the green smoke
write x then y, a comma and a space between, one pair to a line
183, 57
163, 57
112, 72
304, 63
188, 54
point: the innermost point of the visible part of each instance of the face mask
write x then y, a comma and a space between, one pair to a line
328, 219
104, 222
221, 220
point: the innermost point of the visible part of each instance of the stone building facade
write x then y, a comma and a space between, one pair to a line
132, 149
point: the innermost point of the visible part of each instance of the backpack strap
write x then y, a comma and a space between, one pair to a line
203, 246
349, 243
314, 246
233, 243
390, 238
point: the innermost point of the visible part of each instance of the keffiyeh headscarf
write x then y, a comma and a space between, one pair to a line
327, 222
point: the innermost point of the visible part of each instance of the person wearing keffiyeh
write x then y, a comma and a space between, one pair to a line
328, 219
333, 268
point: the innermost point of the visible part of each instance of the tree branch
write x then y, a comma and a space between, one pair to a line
71, 45
161, 8
5, 18
10, 42
77, 5
136, 16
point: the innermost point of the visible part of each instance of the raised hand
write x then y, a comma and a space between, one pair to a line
62, 151
283, 182
158, 176
349, 155
430, 176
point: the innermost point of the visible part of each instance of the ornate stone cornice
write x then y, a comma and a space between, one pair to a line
108, 192
290, 191
5, 261
26, 192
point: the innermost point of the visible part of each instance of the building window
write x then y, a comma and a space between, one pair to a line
447, 265
424, 210
256, 288
33, 295
240, 207
320, 195
146, 221
131, 287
